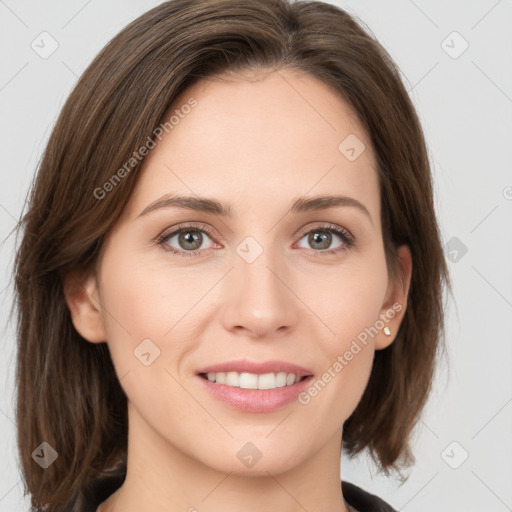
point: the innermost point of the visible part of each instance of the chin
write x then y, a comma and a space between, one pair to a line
255, 458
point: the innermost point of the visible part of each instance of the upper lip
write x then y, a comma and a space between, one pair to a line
244, 365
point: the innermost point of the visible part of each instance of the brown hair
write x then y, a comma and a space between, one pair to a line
67, 390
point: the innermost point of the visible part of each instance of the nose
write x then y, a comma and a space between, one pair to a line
258, 298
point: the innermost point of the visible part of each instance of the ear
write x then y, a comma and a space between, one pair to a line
395, 303
81, 294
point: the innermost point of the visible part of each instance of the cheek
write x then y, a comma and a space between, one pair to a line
145, 300
140, 304
149, 332
348, 300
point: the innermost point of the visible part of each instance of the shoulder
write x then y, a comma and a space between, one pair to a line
362, 500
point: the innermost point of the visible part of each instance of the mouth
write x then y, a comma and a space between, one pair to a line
255, 387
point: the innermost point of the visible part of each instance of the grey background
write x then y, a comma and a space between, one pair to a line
465, 104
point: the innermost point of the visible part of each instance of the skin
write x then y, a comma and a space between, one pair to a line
259, 145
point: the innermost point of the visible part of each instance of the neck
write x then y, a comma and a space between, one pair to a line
161, 477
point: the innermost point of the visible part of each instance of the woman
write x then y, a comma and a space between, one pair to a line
230, 269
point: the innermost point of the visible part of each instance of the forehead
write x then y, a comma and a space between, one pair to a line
277, 134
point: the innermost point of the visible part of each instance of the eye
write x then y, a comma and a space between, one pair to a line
189, 239
321, 237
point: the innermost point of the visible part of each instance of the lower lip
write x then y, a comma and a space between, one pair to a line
256, 400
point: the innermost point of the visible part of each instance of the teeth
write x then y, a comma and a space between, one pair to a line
253, 380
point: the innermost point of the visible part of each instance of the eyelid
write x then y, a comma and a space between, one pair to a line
200, 226
327, 226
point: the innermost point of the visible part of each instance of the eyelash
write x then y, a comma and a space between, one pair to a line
347, 239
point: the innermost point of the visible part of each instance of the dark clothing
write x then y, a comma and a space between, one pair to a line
97, 492
363, 501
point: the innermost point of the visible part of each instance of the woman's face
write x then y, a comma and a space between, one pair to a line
268, 282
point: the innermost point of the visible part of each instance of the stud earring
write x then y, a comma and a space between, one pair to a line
387, 332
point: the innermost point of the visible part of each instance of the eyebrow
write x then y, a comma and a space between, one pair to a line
207, 205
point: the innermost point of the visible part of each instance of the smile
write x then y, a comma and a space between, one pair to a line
247, 380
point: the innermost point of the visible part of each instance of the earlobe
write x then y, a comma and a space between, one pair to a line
395, 305
80, 292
